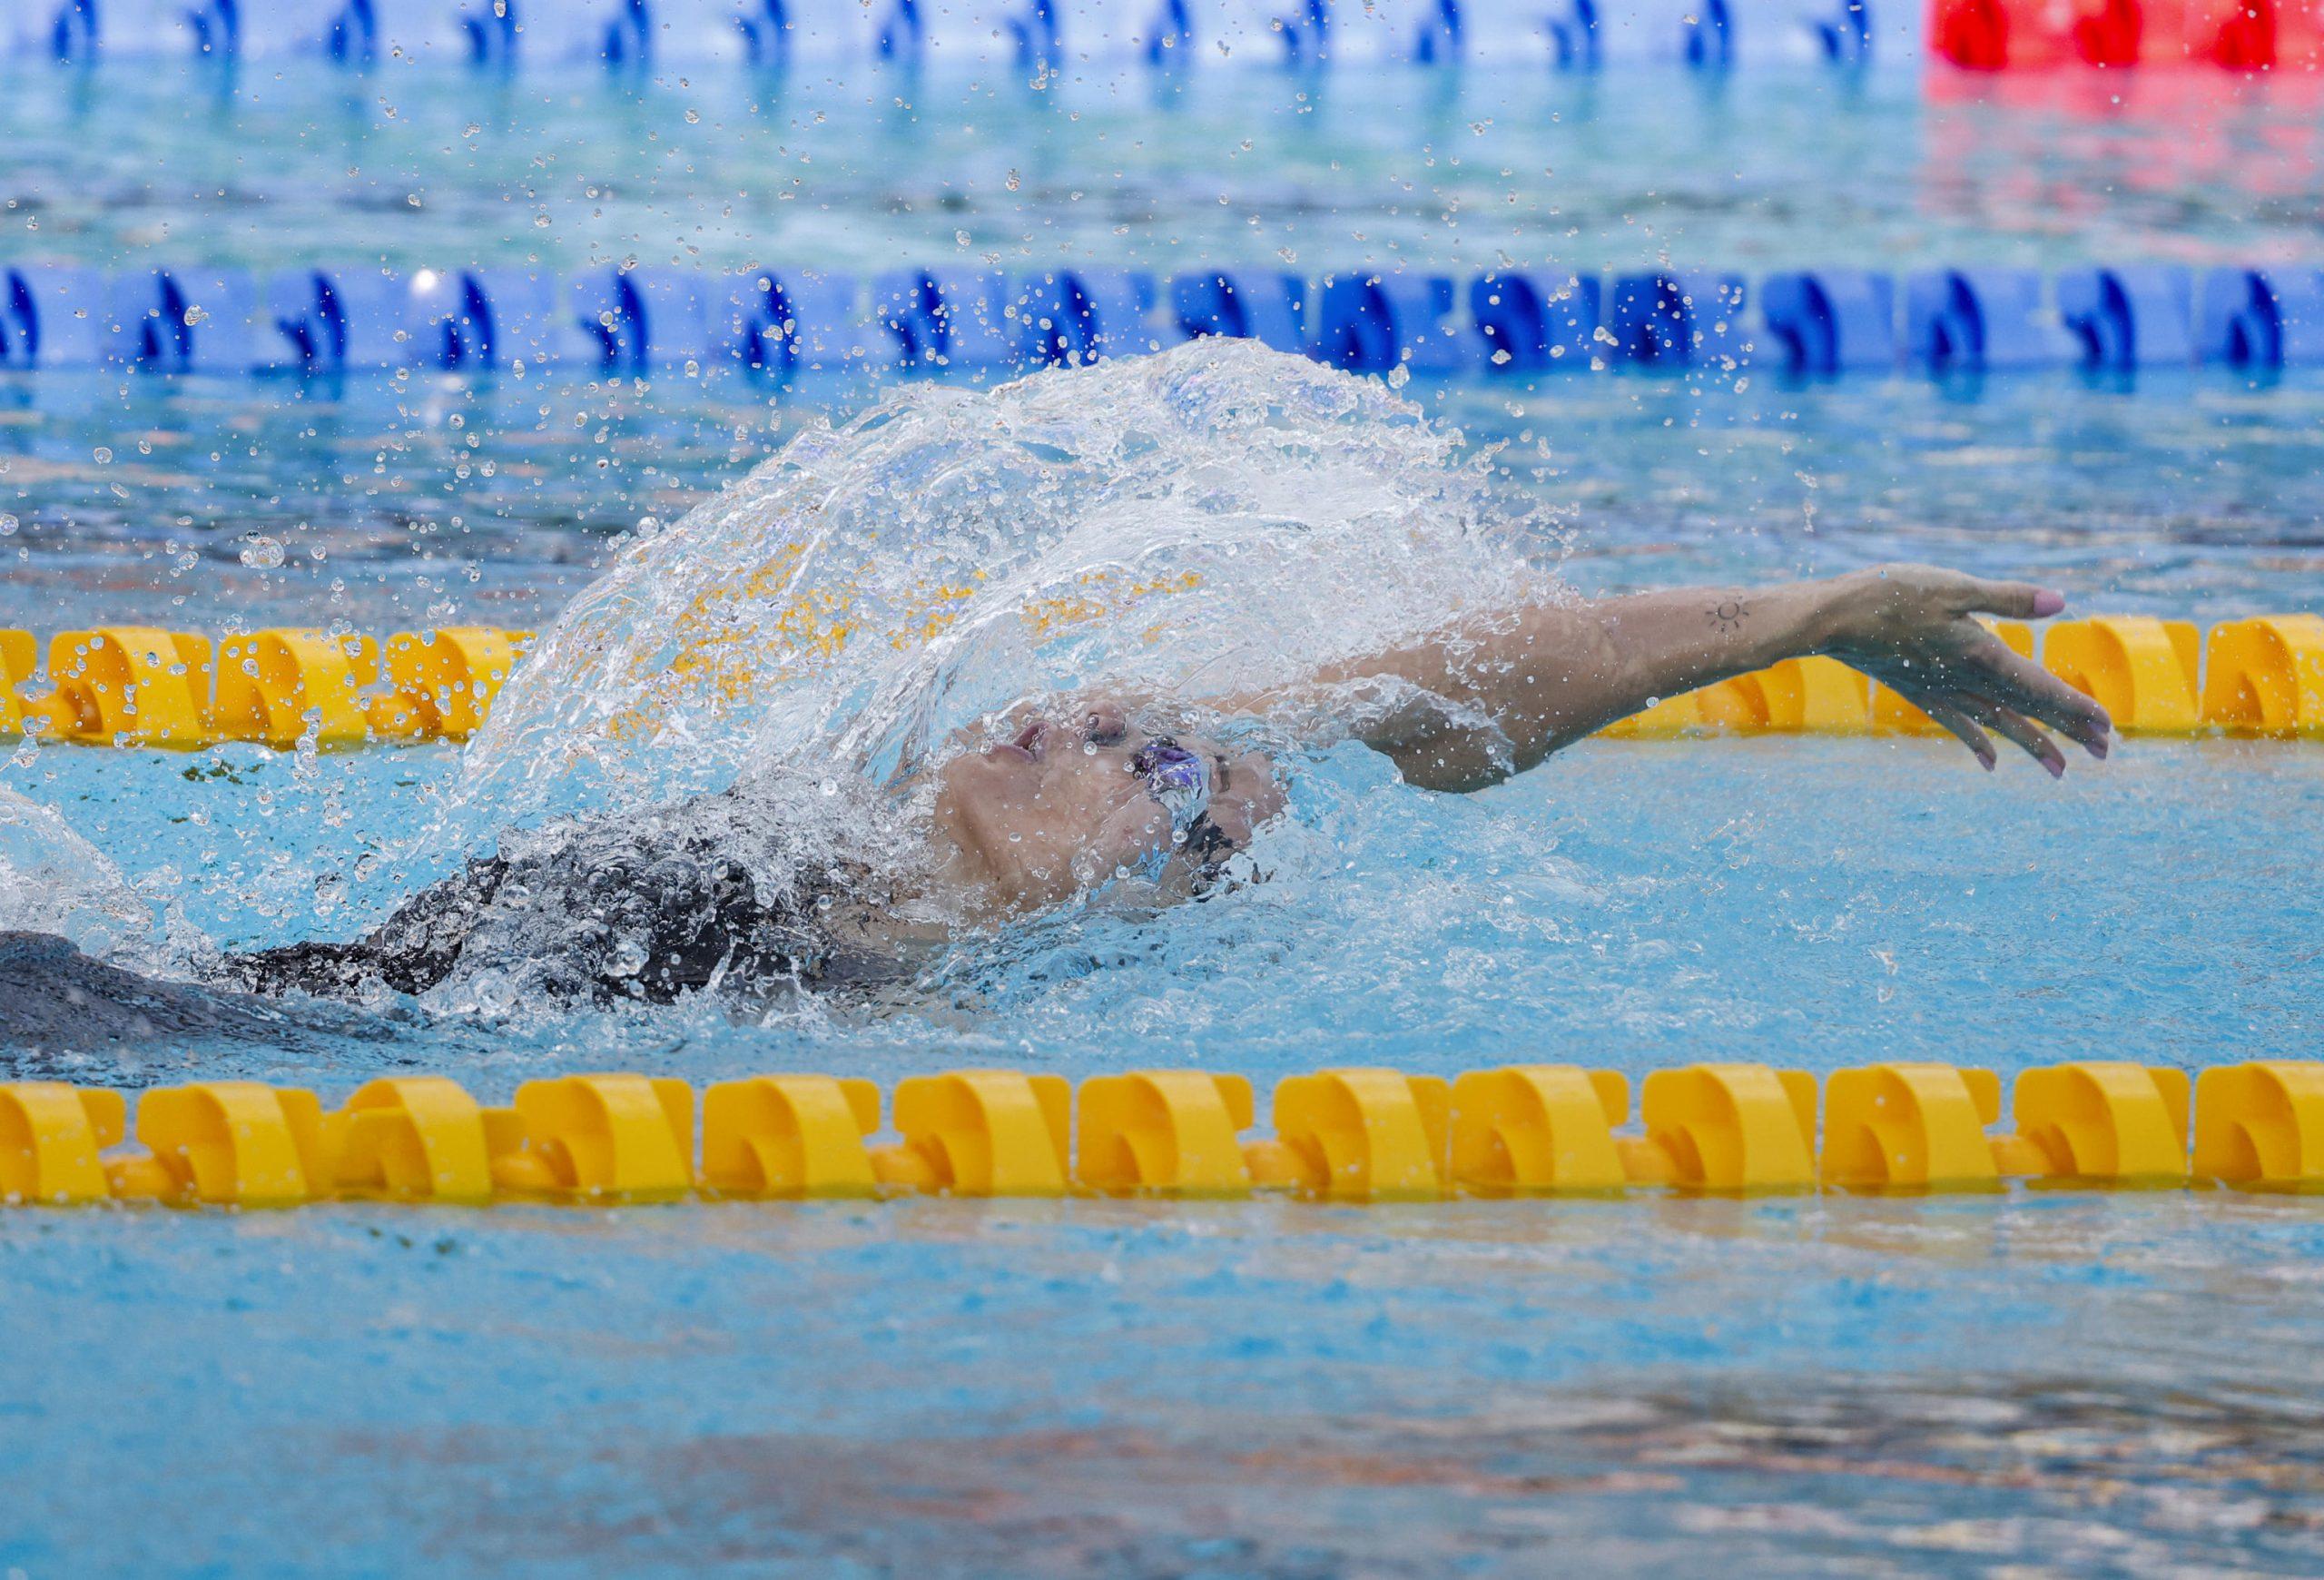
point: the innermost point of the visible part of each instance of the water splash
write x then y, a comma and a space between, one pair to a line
1208, 520
54, 881
1211, 521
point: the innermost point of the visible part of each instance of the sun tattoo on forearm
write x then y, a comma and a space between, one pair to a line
1728, 615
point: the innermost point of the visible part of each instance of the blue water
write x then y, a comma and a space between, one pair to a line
1803, 1387
2189, 494
2120, 1384
1469, 171
1814, 904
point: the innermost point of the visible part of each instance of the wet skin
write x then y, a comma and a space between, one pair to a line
1052, 805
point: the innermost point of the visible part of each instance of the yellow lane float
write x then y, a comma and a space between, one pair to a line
1345, 1135
139, 687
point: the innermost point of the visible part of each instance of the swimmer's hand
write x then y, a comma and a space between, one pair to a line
1913, 628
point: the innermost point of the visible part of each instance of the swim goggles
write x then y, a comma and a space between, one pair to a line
1179, 780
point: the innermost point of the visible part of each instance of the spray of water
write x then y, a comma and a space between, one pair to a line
1217, 520
54, 881
1213, 519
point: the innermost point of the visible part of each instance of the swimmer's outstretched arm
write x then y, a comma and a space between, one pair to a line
1543, 675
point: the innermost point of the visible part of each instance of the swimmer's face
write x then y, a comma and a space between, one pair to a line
1057, 802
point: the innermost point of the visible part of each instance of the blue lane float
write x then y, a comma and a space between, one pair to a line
1576, 43
1375, 323
1830, 321
1529, 323
784, 322
332, 319
483, 319
946, 318
1678, 320
1244, 304
634, 321
2126, 318
2262, 318
194, 321
1077, 315
787, 323
1709, 36
1981, 320
55, 317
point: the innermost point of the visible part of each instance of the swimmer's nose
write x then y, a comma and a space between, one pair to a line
1030, 739
1104, 724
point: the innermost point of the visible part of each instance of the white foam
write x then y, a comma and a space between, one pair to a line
54, 881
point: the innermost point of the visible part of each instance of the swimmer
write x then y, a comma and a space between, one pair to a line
1056, 800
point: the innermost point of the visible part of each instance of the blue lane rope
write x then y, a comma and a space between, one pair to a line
786, 321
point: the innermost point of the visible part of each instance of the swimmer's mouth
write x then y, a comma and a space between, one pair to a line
1027, 747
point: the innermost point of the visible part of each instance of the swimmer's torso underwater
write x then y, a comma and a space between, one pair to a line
979, 658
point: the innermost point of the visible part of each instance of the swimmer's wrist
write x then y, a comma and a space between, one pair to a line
1799, 619
1830, 610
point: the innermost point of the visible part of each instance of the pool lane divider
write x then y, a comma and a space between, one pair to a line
1346, 1135
784, 321
134, 686
139, 687
2261, 677
646, 43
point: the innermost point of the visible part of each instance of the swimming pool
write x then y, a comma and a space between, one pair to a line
1827, 1383
1811, 1382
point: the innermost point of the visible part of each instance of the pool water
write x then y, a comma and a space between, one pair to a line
1774, 167
395, 505
1806, 1386
2047, 1380
1830, 1387
1811, 903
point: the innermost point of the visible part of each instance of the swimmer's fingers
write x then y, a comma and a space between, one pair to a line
1953, 719
2021, 730
2023, 686
2011, 600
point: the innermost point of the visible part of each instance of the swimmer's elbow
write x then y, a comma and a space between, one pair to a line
1450, 767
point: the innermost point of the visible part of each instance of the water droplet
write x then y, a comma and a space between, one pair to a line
261, 553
